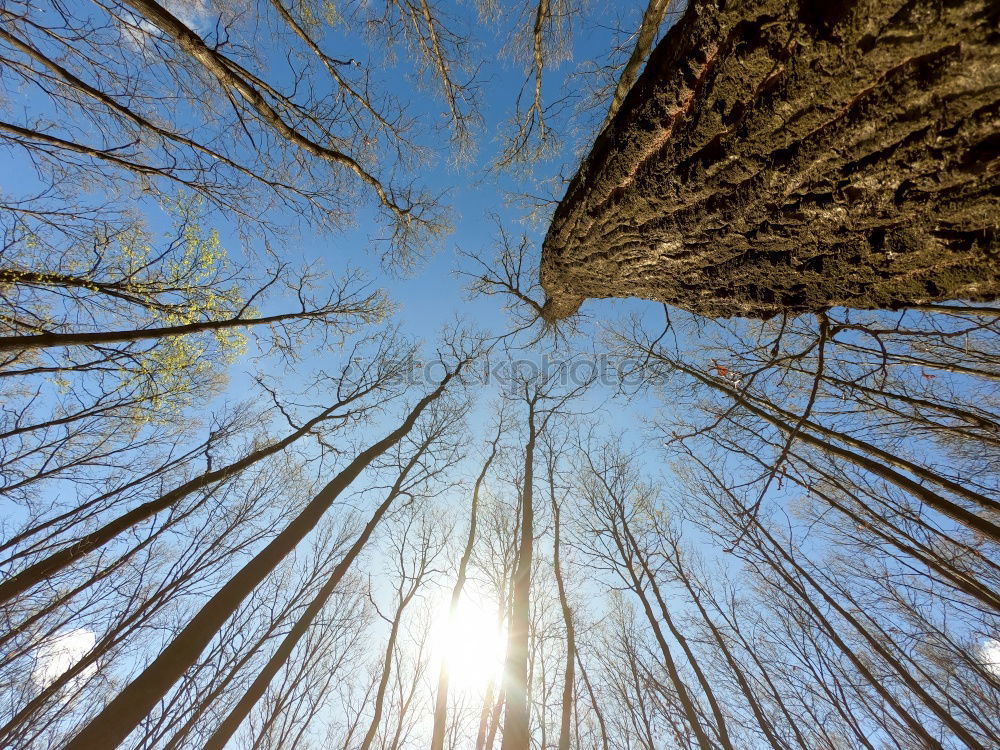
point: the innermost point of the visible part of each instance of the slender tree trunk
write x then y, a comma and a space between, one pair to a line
43, 569
569, 676
441, 698
205, 700
98, 338
489, 718
893, 535
390, 650
516, 734
624, 564
253, 694
124, 713
494, 722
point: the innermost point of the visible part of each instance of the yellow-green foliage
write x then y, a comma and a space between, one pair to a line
127, 278
178, 366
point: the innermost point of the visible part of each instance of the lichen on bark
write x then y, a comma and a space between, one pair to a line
782, 156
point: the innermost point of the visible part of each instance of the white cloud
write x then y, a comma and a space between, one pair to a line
60, 652
989, 655
192, 13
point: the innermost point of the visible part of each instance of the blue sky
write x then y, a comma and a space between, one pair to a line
433, 295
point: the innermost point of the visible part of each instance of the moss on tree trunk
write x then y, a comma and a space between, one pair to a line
794, 156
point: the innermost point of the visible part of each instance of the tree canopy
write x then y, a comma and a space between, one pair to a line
300, 447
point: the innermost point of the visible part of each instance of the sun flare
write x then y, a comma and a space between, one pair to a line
469, 643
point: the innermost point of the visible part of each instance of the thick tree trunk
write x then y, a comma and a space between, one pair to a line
784, 155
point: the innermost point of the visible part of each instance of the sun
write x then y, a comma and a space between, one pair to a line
469, 643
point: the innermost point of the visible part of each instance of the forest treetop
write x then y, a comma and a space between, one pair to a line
253, 495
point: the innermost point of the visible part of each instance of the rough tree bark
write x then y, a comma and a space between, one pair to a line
790, 155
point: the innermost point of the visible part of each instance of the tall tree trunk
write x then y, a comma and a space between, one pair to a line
284, 651
383, 684
516, 734
569, 675
207, 699
493, 722
49, 566
441, 699
98, 338
124, 713
794, 156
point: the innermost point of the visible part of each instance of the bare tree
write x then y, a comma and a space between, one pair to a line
569, 672
411, 577
123, 714
544, 403
441, 696
357, 391
254, 138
